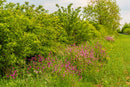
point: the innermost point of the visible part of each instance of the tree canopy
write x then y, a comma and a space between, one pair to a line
104, 12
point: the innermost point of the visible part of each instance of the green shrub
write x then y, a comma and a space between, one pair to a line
118, 31
126, 25
26, 35
77, 29
102, 30
127, 31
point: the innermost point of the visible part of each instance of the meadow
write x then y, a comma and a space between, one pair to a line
67, 48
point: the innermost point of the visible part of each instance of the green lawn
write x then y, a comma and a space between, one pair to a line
119, 65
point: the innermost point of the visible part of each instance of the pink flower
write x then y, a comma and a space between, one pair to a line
7, 76
80, 78
91, 54
40, 60
34, 63
59, 70
49, 63
63, 75
13, 77
55, 68
89, 62
49, 53
39, 56
62, 65
15, 71
27, 71
43, 67
108, 38
65, 60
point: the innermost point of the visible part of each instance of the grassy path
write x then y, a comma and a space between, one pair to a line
119, 53
123, 46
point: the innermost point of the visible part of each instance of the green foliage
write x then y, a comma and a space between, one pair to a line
26, 32
127, 31
2, 2
104, 12
103, 31
77, 29
16, 41
126, 25
118, 30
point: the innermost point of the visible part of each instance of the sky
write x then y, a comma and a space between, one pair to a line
50, 5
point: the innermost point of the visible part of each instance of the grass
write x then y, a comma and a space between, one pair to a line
117, 69
114, 71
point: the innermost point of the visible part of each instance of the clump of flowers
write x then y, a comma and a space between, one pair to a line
109, 38
75, 62
13, 74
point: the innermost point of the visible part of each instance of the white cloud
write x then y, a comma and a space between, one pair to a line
126, 16
124, 4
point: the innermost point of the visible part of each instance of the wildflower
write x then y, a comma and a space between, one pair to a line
80, 78
27, 71
108, 38
40, 60
7, 76
91, 54
70, 49
15, 71
59, 70
13, 77
62, 65
37, 67
55, 68
63, 75
28, 67
89, 62
65, 60
49, 63
39, 56
34, 63
43, 67
49, 53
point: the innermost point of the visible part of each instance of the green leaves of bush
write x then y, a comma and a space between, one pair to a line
127, 31
24, 35
126, 28
26, 31
78, 30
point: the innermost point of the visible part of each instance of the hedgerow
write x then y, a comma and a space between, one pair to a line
26, 31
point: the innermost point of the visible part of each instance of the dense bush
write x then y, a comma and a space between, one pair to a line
127, 31
27, 34
126, 25
77, 29
118, 30
103, 31
26, 31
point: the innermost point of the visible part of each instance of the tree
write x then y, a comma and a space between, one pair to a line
104, 12
126, 26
